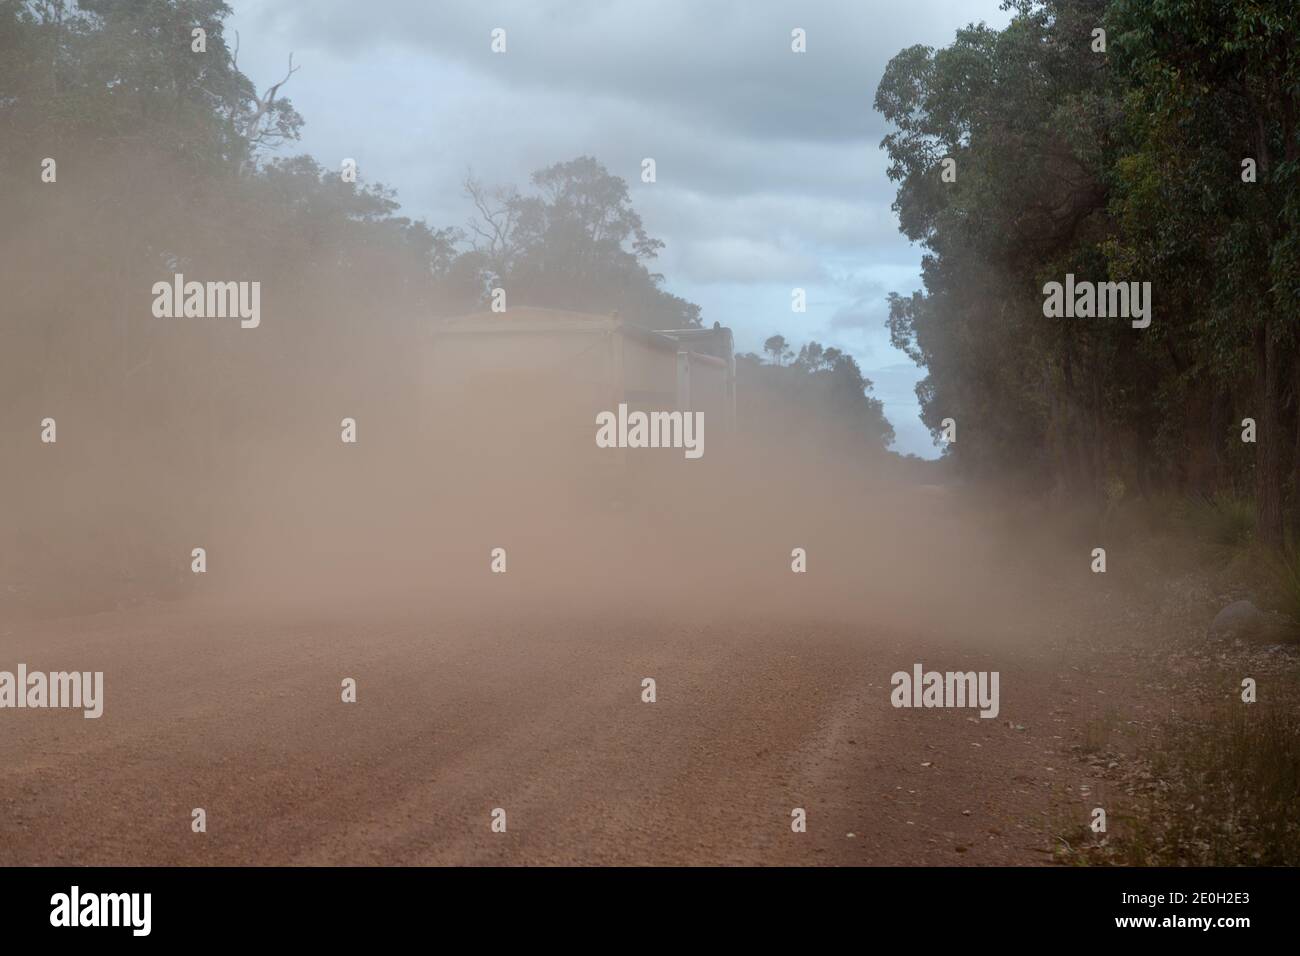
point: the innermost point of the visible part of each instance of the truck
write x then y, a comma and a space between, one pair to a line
543, 375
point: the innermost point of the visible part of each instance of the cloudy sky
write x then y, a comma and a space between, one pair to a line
770, 175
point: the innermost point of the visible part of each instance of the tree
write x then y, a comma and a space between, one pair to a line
575, 243
821, 395
1210, 84
776, 347
1116, 167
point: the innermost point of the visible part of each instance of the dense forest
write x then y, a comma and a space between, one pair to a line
1111, 140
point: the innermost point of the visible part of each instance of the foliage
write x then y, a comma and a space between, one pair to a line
1117, 166
1225, 792
576, 243
817, 384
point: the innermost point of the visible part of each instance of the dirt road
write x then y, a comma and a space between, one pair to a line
242, 716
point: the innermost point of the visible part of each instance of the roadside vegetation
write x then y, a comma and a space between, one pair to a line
1133, 142
1200, 778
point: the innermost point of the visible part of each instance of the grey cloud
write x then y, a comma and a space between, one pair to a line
737, 259
700, 59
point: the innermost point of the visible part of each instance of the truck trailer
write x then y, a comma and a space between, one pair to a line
534, 374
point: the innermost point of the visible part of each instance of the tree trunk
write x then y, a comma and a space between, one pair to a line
1221, 425
1293, 466
1268, 460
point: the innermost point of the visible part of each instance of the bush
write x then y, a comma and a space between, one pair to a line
1225, 524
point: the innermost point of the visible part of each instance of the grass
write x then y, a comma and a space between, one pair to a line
1224, 789
1221, 523
1225, 792
1222, 529
1216, 786
1282, 571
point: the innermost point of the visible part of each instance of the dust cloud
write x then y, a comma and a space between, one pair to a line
180, 433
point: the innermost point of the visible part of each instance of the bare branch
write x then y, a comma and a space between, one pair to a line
496, 214
260, 128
